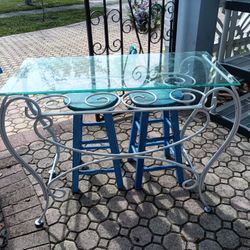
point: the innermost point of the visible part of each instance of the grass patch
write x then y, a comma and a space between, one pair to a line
28, 23
17, 5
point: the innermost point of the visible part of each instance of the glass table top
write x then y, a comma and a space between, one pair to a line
53, 75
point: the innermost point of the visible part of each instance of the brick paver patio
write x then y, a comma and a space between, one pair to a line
161, 216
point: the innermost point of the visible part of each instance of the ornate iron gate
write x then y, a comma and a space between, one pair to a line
149, 24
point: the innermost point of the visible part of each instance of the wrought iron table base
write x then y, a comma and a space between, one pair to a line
33, 111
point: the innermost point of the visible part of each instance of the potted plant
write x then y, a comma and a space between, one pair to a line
140, 14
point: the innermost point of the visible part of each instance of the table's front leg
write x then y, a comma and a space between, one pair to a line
207, 103
205, 107
237, 110
35, 113
46, 124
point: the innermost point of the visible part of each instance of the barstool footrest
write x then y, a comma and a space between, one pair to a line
96, 171
157, 168
96, 141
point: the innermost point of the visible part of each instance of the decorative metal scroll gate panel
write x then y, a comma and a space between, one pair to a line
127, 23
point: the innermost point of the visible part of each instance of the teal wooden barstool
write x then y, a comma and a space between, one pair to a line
171, 132
77, 103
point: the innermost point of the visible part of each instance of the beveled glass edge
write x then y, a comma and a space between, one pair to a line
231, 79
237, 83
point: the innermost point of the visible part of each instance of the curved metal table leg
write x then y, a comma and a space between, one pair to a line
30, 106
197, 181
229, 138
35, 110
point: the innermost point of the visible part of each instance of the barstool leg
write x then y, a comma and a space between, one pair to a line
77, 138
166, 129
133, 134
178, 148
111, 134
143, 130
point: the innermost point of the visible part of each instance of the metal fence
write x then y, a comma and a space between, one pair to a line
148, 24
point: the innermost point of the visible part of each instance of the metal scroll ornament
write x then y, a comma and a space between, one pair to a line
34, 112
153, 18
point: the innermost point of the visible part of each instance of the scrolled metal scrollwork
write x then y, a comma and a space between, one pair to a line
98, 48
62, 103
158, 27
127, 26
40, 118
114, 15
36, 114
156, 34
155, 37
174, 79
188, 95
95, 17
186, 66
139, 97
137, 72
237, 105
144, 74
169, 9
116, 45
141, 74
167, 35
100, 99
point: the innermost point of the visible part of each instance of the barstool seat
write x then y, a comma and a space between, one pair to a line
163, 98
77, 101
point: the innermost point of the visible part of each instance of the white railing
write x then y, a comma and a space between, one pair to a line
238, 40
